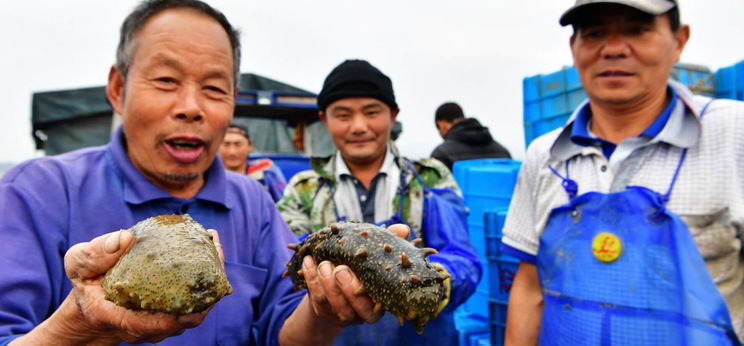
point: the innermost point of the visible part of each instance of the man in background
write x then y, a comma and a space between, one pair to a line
234, 152
464, 138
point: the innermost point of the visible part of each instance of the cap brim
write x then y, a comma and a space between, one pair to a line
651, 7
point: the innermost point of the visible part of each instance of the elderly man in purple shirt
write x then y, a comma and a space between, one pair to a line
174, 83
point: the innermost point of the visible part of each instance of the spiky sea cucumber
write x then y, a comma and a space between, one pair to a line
394, 272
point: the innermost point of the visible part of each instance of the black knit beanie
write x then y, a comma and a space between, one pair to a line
356, 78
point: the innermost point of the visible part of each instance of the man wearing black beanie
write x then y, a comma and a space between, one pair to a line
368, 180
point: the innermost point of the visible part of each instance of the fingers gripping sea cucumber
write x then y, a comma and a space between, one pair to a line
394, 273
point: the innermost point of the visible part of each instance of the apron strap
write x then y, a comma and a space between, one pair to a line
568, 184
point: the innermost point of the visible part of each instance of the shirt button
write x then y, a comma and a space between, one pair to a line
603, 168
363, 198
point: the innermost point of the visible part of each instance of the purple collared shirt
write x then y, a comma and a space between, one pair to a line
51, 203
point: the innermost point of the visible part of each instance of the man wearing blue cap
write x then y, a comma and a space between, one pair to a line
628, 221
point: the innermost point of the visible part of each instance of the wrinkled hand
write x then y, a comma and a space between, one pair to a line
336, 293
86, 264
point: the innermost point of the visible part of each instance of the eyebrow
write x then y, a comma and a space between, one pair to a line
217, 74
372, 105
166, 60
339, 108
348, 109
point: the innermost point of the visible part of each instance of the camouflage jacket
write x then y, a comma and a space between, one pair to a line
307, 203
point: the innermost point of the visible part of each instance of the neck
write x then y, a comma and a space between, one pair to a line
184, 190
615, 122
365, 171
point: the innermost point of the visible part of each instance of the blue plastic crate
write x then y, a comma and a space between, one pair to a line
729, 82
477, 304
480, 205
478, 339
550, 99
470, 328
494, 223
497, 310
490, 178
486, 184
698, 78
501, 273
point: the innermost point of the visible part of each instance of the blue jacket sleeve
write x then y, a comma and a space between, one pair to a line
275, 182
5, 340
33, 282
445, 229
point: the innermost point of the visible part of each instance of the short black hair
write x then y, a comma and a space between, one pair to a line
149, 8
239, 129
448, 112
673, 13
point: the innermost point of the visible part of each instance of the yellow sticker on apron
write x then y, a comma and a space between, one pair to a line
606, 247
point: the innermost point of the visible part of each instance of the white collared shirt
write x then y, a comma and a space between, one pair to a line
708, 194
345, 194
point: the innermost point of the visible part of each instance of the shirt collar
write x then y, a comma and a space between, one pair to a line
139, 190
342, 170
676, 125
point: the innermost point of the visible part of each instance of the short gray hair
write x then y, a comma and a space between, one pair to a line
145, 10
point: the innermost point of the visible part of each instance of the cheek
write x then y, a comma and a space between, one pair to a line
337, 129
381, 126
584, 54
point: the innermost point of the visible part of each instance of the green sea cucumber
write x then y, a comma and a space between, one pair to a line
173, 267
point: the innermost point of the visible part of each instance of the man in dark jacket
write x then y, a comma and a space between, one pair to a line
464, 139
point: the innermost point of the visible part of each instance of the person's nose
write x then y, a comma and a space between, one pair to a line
615, 46
188, 107
358, 124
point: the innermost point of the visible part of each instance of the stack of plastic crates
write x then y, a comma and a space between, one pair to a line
501, 269
730, 82
487, 186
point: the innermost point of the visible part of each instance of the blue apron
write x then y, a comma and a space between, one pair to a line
621, 269
443, 210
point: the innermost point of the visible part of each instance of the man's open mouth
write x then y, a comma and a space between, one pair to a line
185, 150
185, 144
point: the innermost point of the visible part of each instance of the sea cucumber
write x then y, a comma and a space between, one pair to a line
394, 272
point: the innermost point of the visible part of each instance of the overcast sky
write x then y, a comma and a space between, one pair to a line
474, 52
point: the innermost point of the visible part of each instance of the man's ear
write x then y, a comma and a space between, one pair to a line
323, 117
394, 114
681, 36
115, 89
